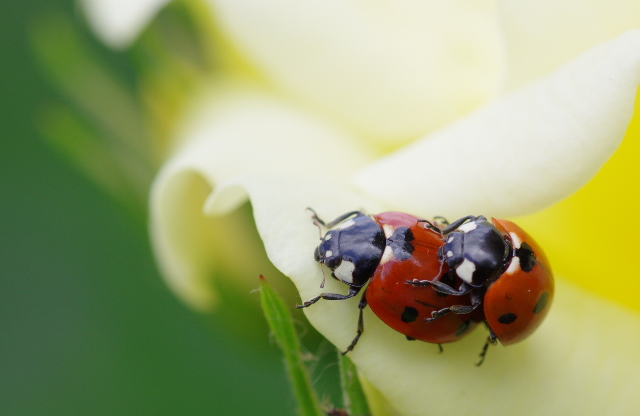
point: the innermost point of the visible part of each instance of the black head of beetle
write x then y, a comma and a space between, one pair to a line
476, 250
352, 249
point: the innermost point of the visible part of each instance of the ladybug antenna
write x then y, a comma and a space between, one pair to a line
324, 278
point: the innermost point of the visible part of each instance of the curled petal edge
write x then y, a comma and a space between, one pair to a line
525, 151
241, 132
568, 358
119, 22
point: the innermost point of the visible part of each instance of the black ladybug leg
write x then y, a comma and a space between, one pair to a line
441, 220
441, 287
431, 226
330, 296
363, 304
335, 222
491, 339
457, 309
476, 300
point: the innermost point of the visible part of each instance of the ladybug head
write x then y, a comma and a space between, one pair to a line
352, 250
328, 252
476, 250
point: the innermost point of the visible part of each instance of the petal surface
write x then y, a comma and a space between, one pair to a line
238, 134
570, 366
523, 152
543, 35
586, 345
391, 70
119, 22
582, 253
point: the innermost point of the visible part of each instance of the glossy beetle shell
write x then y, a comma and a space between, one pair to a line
519, 300
404, 307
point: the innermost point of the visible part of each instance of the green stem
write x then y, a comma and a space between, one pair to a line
281, 324
352, 393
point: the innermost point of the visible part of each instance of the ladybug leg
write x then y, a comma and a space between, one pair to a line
330, 296
431, 226
363, 304
335, 222
491, 339
457, 309
476, 300
441, 220
442, 287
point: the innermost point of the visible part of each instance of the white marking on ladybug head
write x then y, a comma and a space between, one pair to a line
514, 266
470, 226
516, 240
450, 239
344, 225
328, 253
388, 230
449, 253
465, 270
386, 255
344, 272
328, 236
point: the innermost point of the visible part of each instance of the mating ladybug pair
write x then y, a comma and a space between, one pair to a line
435, 281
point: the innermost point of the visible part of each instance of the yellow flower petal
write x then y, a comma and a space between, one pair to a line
542, 35
523, 152
582, 361
586, 345
240, 133
592, 237
391, 70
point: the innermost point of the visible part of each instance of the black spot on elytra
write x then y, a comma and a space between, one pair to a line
508, 318
400, 243
542, 303
463, 328
410, 338
409, 315
527, 257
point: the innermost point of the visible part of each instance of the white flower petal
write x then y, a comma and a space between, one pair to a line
523, 152
582, 361
542, 35
240, 133
393, 70
119, 22
280, 203
586, 345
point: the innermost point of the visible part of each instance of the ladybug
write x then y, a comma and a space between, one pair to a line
479, 270
503, 270
386, 250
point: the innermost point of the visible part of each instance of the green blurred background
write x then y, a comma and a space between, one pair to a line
87, 326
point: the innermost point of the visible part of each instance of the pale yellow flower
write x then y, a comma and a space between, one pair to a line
433, 108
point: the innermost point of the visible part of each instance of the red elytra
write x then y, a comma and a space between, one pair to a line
404, 307
519, 300
431, 282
